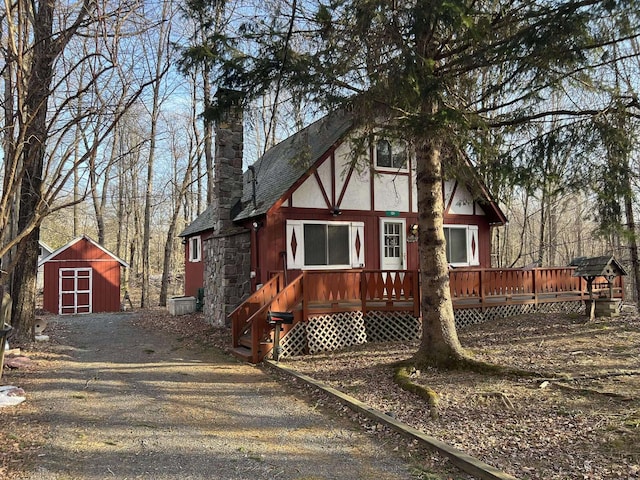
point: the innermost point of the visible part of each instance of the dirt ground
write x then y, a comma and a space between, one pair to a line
125, 396
576, 417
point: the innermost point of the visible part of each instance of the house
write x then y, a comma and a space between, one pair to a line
305, 206
82, 277
311, 207
193, 237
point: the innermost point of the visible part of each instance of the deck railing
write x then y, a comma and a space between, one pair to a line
490, 287
390, 290
250, 317
325, 292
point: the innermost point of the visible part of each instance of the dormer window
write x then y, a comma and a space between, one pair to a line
391, 155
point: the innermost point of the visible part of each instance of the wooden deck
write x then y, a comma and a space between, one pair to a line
324, 292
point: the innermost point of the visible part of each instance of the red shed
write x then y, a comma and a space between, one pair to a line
82, 277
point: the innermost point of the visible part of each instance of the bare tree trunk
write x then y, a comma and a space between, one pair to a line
23, 291
633, 242
543, 222
440, 345
161, 68
98, 199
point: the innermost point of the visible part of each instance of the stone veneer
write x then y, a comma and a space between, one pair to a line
227, 274
227, 252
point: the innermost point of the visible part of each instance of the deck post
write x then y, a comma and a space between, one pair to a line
363, 293
305, 298
481, 288
535, 287
417, 297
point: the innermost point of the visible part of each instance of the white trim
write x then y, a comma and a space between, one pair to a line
473, 252
198, 240
295, 245
52, 256
357, 244
64, 310
471, 235
403, 241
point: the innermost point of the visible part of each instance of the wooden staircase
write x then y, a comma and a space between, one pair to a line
252, 336
317, 293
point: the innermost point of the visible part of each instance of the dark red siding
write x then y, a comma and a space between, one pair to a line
193, 271
268, 254
105, 273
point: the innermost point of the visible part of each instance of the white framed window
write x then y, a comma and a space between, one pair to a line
462, 245
195, 249
391, 155
324, 245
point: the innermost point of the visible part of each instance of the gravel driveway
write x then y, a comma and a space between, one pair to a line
125, 403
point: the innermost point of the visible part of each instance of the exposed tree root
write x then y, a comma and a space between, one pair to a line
404, 370
504, 399
592, 391
599, 376
468, 363
402, 376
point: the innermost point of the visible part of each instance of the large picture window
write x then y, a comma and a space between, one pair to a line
316, 244
326, 244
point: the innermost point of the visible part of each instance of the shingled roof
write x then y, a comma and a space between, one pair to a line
201, 224
281, 166
605, 266
285, 163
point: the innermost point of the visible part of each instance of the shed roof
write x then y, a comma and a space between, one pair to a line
79, 239
604, 266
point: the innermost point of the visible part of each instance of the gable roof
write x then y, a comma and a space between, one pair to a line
285, 163
605, 266
203, 222
54, 254
46, 249
282, 165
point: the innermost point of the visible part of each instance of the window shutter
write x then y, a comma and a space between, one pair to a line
473, 249
295, 244
357, 244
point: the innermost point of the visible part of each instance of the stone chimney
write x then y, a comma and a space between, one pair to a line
229, 132
228, 251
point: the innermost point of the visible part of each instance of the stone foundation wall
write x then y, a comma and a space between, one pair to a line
227, 275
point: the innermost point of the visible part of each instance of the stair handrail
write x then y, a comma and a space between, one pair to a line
243, 316
291, 294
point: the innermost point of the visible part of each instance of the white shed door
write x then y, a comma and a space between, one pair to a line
74, 291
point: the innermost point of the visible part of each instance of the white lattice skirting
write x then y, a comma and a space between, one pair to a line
392, 327
340, 330
332, 332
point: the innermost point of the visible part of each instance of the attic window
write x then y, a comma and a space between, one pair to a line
391, 155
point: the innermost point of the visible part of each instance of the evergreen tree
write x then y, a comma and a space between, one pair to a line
436, 73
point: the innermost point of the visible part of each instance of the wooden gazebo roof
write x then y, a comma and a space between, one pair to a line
604, 266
